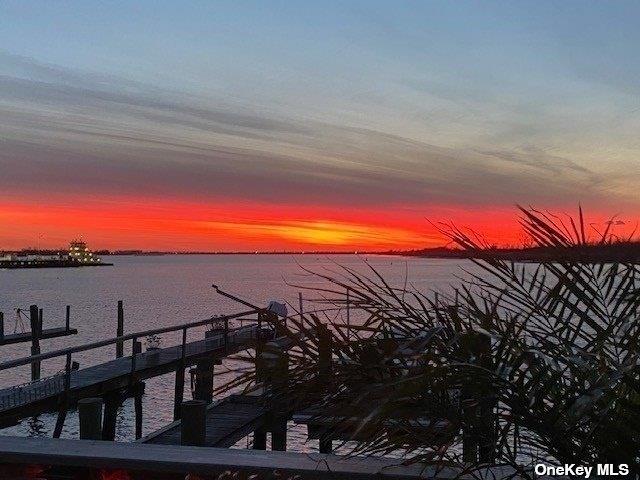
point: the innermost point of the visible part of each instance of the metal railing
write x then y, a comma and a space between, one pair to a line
61, 382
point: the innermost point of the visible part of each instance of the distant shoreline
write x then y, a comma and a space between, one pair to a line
627, 252
595, 253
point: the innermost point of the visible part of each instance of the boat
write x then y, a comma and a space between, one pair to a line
78, 255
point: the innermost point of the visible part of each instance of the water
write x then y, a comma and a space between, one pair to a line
169, 290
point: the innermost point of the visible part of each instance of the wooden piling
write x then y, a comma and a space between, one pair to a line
120, 330
324, 353
478, 404
1, 326
178, 393
90, 415
204, 380
137, 399
67, 322
62, 415
193, 427
279, 435
326, 444
112, 401
35, 317
260, 439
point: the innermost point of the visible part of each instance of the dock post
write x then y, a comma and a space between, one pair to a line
67, 317
260, 439
112, 402
35, 317
193, 427
178, 394
275, 375
204, 380
279, 435
488, 419
478, 404
1, 326
120, 330
326, 444
324, 353
90, 414
137, 399
301, 305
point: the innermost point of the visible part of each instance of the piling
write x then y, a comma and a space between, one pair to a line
120, 330
90, 414
478, 404
67, 317
193, 428
260, 439
112, 402
1, 326
326, 444
204, 380
35, 317
178, 393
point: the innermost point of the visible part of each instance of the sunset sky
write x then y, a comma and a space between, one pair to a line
311, 125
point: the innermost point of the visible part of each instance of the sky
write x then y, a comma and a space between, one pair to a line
226, 126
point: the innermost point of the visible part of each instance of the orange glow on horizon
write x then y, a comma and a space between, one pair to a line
174, 225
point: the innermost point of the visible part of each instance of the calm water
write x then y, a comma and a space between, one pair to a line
169, 290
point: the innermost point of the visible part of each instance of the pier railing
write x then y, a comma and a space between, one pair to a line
61, 382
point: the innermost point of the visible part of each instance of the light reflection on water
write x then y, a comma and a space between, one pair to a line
169, 290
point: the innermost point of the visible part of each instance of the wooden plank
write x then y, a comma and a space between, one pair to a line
228, 421
210, 461
46, 333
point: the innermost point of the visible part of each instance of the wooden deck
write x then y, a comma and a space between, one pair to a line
45, 394
228, 421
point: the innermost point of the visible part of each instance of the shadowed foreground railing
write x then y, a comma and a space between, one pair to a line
143, 461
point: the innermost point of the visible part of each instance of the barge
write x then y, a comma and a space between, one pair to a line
78, 255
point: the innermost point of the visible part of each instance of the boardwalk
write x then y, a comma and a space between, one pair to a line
45, 395
228, 421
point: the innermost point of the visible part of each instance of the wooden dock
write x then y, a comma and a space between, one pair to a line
46, 394
228, 421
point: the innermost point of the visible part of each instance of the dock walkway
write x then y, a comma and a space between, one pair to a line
45, 394
228, 421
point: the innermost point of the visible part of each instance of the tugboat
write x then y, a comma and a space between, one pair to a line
79, 255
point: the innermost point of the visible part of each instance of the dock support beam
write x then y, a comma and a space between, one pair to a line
279, 435
178, 394
62, 415
35, 317
120, 330
204, 380
90, 414
193, 427
112, 402
260, 439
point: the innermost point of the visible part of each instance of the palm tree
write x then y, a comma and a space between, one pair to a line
519, 363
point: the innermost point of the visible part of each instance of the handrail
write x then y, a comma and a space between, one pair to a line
103, 343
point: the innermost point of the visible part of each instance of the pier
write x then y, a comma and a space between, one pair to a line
204, 428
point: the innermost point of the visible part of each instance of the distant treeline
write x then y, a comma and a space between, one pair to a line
590, 253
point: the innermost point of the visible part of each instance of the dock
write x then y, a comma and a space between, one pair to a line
228, 421
45, 394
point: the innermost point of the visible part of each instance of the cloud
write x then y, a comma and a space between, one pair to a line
67, 131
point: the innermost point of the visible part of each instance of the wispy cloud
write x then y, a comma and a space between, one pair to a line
68, 131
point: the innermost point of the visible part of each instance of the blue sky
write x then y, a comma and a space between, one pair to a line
406, 104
